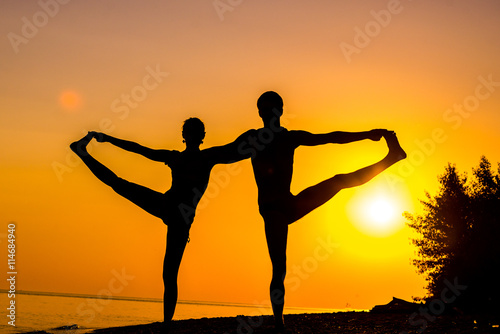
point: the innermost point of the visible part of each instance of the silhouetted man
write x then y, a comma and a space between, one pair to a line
271, 149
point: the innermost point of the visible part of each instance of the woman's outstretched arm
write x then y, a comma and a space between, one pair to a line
152, 154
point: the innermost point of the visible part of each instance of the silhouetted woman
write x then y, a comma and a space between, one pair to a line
190, 175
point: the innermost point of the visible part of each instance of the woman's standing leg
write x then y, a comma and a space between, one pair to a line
176, 243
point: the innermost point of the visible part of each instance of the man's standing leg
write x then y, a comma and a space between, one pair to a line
276, 228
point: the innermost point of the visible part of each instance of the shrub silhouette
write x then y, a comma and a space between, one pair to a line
459, 233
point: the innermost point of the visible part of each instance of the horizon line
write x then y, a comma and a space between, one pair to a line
160, 300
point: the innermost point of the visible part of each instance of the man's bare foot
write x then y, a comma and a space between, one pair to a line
166, 327
80, 146
396, 153
279, 326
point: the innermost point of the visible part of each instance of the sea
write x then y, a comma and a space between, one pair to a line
75, 314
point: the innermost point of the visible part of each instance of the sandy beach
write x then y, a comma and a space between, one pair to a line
342, 322
347, 322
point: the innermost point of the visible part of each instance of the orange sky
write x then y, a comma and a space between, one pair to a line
427, 69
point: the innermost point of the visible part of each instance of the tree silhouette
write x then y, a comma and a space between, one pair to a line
458, 241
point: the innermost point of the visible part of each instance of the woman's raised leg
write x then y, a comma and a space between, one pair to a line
149, 200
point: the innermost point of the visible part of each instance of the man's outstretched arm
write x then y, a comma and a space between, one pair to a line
232, 152
152, 154
337, 137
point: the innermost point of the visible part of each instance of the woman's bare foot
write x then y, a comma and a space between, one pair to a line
80, 146
396, 153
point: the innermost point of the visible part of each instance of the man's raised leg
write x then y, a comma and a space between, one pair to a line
315, 196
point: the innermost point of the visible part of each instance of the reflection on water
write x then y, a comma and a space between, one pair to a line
45, 312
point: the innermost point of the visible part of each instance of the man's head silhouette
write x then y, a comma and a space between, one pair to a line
270, 105
193, 131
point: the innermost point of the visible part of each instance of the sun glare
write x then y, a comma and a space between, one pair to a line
376, 211
381, 211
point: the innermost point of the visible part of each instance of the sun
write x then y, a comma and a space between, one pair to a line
381, 211
70, 100
377, 211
